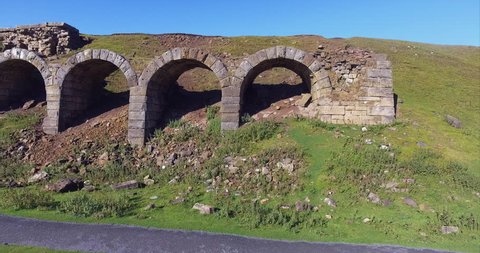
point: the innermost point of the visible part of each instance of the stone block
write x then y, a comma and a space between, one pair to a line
210, 60
176, 53
381, 111
229, 125
280, 50
167, 56
333, 110
290, 52
232, 108
271, 53
384, 64
381, 73
230, 100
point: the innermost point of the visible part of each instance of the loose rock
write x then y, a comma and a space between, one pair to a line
132, 184
65, 185
203, 209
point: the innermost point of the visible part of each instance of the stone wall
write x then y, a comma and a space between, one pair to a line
47, 39
370, 101
347, 86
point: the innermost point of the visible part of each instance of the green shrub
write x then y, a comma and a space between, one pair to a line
27, 199
256, 215
11, 169
85, 205
212, 112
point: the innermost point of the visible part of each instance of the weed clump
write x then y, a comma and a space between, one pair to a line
27, 199
85, 205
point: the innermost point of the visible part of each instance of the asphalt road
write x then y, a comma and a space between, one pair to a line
120, 238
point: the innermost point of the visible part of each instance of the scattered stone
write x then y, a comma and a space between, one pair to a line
103, 159
421, 144
373, 198
425, 208
328, 216
301, 206
410, 202
264, 201
330, 202
147, 180
364, 129
423, 234
387, 202
177, 200
449, 230
132, 184
265, 171
65, 185
453, 121
277, 107
366, 220
37, 177
384, 147
154, 197
28, 105
203, 209
409, 180
368, 141
304, 101
88, 188
174, 180
149, 207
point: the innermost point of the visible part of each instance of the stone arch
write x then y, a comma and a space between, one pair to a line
302, 63
148, 100
77, 80
23, 75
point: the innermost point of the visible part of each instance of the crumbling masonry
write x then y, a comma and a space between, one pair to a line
70, 88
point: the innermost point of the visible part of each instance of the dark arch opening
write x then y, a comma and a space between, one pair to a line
274, 84
90, 89
20, 81
181, 89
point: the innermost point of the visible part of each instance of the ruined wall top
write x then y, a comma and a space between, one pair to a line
47, 39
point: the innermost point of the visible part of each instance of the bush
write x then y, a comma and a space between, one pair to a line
27, 199
101, 206
12, 169
256, 215
212, 112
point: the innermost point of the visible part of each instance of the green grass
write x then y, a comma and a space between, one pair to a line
431, 80
13, 122
29, 249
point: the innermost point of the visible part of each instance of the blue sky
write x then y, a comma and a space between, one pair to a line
431, 21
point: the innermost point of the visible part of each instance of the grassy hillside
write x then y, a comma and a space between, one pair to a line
443, 177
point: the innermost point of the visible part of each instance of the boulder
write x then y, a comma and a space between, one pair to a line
28, 105
132, 184
37, 177
449, 230
374, 198
304, 100
330, 202
410, 202
453, 121
203, 209
65, 185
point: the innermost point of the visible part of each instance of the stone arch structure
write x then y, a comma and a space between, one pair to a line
77, 81
23, 74
148, 100
296, 60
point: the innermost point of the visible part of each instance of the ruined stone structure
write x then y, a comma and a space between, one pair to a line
71, 87
48, 39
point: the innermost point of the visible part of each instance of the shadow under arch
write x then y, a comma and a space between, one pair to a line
158, 81
300, 62
23, 77
81, 81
